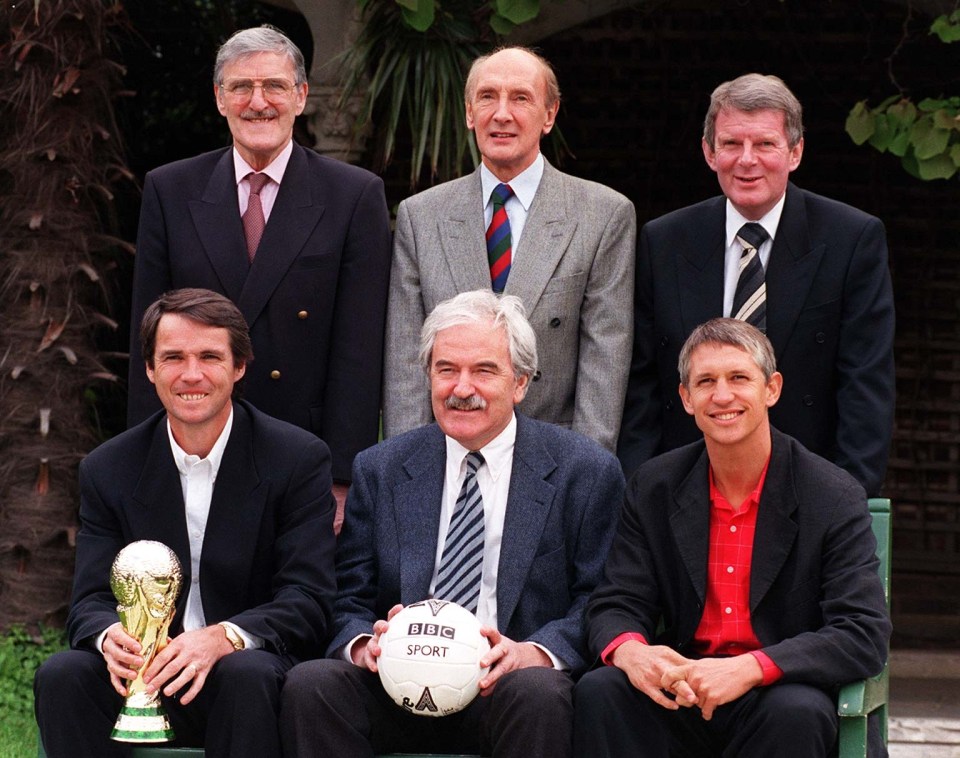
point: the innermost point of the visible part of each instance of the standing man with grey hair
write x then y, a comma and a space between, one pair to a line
741, 590
808, 271
545, 514
300, 242
563, 245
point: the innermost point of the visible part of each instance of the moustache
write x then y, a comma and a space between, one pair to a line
265, 113
471, 403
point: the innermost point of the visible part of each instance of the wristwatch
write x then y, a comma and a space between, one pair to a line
232, 637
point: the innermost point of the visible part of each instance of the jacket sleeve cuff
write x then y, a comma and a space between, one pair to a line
617, 642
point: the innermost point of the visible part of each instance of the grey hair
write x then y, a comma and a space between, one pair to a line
549, 75
479, 307
755, 92
260, 39
733, 332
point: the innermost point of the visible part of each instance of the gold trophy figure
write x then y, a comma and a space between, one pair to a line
145, 578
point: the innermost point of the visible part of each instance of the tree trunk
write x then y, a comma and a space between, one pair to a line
60, 153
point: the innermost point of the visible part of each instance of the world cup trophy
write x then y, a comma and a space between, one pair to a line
145, 578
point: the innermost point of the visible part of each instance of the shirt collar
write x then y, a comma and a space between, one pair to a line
770, 221
496, 453
524, 184
186, 461
275, 170
716, 499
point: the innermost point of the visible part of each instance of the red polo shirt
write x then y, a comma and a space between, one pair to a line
725, 628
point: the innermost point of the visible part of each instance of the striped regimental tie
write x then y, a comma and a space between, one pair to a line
750, 298
461, 565
499, 244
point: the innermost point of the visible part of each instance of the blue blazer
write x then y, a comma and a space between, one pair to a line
267, 560
830, 319
315, 297
565, 493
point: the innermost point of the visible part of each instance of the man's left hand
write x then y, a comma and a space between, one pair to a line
187, 659
711, 682
506, 655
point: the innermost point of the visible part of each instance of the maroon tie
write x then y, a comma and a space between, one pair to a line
253, 221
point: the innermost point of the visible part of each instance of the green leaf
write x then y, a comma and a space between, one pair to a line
947, 28
899, 142
882, 108
937, 167
500, 25
882, 134
418, 14
902, 114
860, 123
945, 119
910, 165
518, 11
927, 140
955, 155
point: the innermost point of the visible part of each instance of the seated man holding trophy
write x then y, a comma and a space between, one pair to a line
221, 498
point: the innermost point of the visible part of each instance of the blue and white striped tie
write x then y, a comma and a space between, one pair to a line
461, 565
750, 297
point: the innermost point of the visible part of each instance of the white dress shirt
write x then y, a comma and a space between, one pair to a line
731, 259
524, 186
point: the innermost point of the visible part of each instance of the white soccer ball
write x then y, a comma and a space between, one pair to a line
430, 659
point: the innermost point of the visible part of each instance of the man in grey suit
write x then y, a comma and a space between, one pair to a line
548, 505
566, 249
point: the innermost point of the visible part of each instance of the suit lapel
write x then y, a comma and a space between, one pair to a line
528, 504
690, 524
160, 514
462, 235
236, 507
546, 234
416, 503
791, 269
295, 215
776, 529
700, 270
216, 218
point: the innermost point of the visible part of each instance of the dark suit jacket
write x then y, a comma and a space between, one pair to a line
829, 317
267, 560
315, 297
565, 492
816, 601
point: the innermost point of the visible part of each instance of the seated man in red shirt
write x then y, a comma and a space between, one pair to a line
741, 590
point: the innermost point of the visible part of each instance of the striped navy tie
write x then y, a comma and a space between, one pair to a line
750, 298
461, 565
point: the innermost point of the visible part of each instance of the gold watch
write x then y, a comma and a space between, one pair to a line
232, 637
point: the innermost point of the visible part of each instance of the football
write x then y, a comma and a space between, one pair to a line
430, 658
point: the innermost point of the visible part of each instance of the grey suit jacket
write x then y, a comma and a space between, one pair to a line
565, 492
574, 273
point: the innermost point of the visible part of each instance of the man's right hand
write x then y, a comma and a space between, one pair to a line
122, 654
366, 650
645, 666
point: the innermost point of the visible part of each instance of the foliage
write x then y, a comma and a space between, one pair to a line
926, 135
410, 60
20, 655
60, 156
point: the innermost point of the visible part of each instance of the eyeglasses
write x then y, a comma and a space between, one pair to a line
272, 89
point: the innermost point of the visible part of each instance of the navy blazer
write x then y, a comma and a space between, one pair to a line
314, 298
565, 492
830, 319
816, 602
267, 560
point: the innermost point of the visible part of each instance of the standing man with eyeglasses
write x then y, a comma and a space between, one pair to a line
300, 242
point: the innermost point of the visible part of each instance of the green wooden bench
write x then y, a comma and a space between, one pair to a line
859, 699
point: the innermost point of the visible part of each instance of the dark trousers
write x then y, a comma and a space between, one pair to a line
333, 708
234, 716
616, 720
